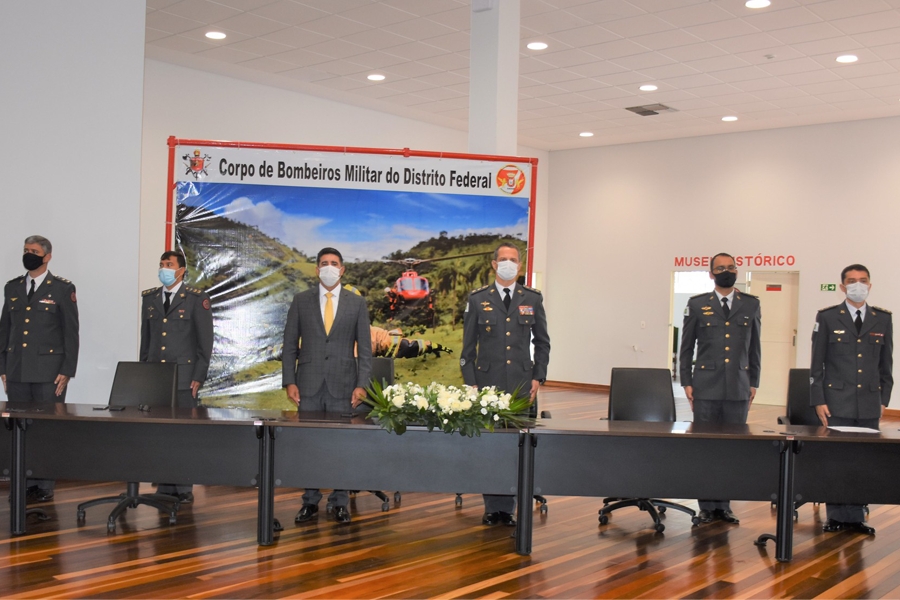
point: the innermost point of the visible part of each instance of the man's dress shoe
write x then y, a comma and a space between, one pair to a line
341, 514
36, 494
726, 515
498, 518
704, 516
307, 512
832, 526
860, 527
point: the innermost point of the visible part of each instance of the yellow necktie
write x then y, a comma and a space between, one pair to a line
329, 312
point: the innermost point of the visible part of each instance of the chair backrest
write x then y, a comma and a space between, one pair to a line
383, 370
641, 395
799, 412
148, 383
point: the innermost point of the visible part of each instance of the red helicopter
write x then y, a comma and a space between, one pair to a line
411, 289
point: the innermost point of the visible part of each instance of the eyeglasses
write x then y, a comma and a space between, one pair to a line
729, 268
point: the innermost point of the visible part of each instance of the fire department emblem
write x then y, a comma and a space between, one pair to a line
196, 164
511, 179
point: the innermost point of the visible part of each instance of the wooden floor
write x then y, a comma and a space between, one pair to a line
426, 547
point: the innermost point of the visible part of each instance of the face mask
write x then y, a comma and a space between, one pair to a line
32, 261
167, 277
329, 275
507, 269
725, 279
857, 292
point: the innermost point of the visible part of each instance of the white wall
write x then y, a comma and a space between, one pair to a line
619, 215
194, 104
72, 76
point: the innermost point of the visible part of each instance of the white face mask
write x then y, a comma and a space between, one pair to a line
329, 275
507, 269
857, 292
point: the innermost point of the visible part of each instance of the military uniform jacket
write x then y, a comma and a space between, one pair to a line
728, 350
39, 337
183, 335
852, 372
327, 358
497, 342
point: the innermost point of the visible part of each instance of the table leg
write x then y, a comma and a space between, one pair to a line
17, 477
784, 525
265, 519
525, 492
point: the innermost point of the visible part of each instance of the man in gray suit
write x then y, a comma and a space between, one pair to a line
177, 326
38, 338
852, 373
725, 325
321, 373
501, 322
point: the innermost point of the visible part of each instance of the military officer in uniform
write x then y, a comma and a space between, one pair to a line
501, 322
851, 372
38, 338
177, 326
724, 325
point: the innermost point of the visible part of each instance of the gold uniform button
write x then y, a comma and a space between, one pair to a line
165, 320
27, 321
727, 323
180, 316
163, 348
51, 350
164, 360
26, 333
859, 371
839, 339
164, 334
24, 345
702, 366
726, 360
27, 308
509, 362
507, 319
858, 341
859, 356
728, 335
859, 385
829, 385
507, 333
508, 347
727, 348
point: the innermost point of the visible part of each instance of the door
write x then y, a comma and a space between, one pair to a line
778, 293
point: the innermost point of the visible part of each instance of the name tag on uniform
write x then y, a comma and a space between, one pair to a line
877, 334
46, 301
526, 310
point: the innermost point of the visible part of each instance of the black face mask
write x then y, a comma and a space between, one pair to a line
725, 279
32, 261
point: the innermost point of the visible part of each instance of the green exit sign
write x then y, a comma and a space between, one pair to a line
828, 287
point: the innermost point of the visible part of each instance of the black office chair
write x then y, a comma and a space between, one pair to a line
139, 384
642, 395
383, 373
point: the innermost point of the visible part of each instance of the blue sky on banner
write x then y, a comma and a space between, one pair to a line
362, 224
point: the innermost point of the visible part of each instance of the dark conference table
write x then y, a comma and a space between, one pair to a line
271, 449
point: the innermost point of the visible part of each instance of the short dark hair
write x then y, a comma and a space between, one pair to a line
41, 241
325, 251
856, 267
507, 245
174, 254
713, 259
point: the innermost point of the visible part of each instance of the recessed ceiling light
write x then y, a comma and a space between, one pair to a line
537, 46
215, 35
375, 77
649, 88
757, 3
847, 58
729, 118
586, 134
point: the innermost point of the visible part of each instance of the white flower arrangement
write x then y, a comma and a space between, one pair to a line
466, 410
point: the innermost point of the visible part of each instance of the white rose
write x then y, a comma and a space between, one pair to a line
466, 404
421, 402
455, 404
445, 421
397, 401
484, 411
496, 417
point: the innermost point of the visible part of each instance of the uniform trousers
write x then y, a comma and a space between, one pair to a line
849, 513
323, 401
183, 399
42, 394
720, 411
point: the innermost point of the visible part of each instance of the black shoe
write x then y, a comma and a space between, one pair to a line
860, 527
507, 519
492, 518
185, 498
832, 526
307, 512
704, 516
36, 494
726, 515
341, 514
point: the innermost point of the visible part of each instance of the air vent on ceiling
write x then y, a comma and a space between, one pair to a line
650, 109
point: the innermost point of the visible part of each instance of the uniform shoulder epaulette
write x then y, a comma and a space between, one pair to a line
481, 289
749, 295
193, 290
63, 279
829, 307
18, 279
884, 310
700, 295
150, 291
531, 289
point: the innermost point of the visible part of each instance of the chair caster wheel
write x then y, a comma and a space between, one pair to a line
80, 515
329, 508
543, 509
695, 520
172, 518
604, 519
458, 500
661, 509
277, 526
111, 527
660, 528
385, 506
796, 516
397, 497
